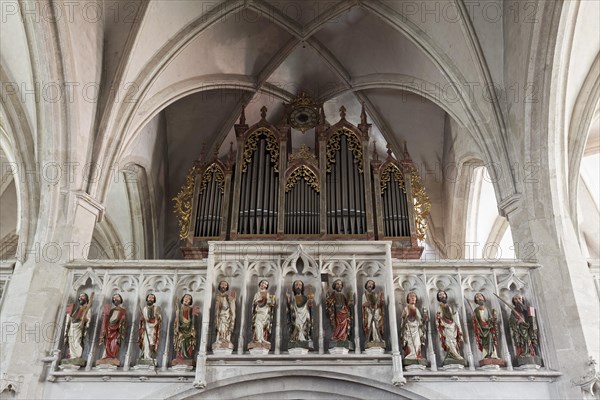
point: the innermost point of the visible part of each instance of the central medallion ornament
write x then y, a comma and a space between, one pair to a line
302, 113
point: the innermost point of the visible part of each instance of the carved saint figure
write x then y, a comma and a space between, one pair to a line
372, 308
339, 310
149, 331
184, 331
485, 327
449, 330
299, 308
413, 331
224, 316
523, 328
114, 325
262, 316
76, 329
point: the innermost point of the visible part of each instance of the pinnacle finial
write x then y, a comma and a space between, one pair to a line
389, 149
322, 115
263, 112
343, 112
230, 155
363, 114
375, 154
243, 116
405, 151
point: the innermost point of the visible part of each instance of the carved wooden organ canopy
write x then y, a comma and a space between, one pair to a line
270, 191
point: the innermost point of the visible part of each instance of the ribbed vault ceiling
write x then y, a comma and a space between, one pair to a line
264, 53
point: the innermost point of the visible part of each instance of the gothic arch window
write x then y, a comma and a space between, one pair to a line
487, 234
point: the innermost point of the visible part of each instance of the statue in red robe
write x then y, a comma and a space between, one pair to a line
339, 310
114, 324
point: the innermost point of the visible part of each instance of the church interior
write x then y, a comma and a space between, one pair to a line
300, 199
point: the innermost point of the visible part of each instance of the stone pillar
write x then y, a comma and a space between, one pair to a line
564, 285
29, 313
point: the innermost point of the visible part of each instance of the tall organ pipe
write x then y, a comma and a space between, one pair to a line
204, 216
361, 180
210, 206
343, 185
388, 210
259, 187
243, 195
329, 202
353, 193
402, 217
338, 195
218, 211
395, 206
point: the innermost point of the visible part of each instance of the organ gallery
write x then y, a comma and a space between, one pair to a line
292, 199
307, 251
272, 190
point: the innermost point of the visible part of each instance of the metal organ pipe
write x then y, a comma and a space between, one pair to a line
315, 211
210, 209
202, 213
329, 203
273, 198
218, 211
338, 195
396, 206
405, 222
198, 216
267, 202
260, 188
388, 210
402, 206
243, 195
361, 180
343, 186
352, 192
392, 209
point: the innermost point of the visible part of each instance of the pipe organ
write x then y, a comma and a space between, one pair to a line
270, 191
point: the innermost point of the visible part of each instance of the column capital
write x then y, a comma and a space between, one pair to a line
89, 203
509, 204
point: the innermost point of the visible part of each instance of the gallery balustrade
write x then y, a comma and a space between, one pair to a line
321, 302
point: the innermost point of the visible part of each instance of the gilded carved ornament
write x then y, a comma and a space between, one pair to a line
252, 143
208, 176
303, 153
422, 204
354, 145
302, 172
183, 203
388, 171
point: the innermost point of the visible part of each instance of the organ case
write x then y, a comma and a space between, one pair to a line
273, 193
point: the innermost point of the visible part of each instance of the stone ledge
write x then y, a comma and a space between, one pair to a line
172, 265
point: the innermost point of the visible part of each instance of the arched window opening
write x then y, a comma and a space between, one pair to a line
488, 235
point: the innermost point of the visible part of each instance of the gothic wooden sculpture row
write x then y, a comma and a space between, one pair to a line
339, 308
113, 331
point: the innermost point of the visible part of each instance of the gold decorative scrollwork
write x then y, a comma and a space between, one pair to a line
302, 172
386, 176
207, 177
303, 153
183, 203
354, 145
422, 204
252, 143
302, 100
